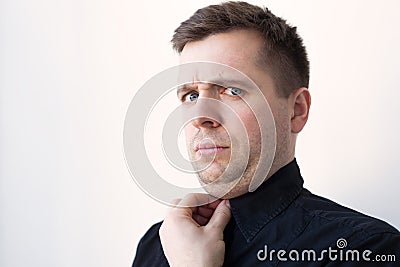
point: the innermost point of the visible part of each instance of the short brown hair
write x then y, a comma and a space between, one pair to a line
284, 54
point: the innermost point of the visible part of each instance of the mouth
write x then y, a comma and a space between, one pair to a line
209, 149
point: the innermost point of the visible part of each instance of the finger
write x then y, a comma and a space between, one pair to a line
205, 212
189, 204
213, 205
195, 200
200, 219
221, 216
175, 202
175, 209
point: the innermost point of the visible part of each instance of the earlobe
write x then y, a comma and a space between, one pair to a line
301, 102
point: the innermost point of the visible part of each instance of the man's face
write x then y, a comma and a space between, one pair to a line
238, 49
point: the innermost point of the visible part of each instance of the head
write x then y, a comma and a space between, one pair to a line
270, 52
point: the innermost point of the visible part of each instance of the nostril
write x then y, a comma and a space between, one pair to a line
205, 122
209, 123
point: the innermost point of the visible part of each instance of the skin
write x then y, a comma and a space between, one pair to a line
237, 49
193, 236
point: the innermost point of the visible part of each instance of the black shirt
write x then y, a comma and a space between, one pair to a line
283, 224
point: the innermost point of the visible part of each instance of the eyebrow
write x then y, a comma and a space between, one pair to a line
187, 87
234, 83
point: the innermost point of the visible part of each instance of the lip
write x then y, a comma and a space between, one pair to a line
209, 149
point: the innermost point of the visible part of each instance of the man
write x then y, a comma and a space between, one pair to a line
280, 222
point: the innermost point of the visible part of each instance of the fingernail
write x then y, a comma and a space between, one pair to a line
227, 203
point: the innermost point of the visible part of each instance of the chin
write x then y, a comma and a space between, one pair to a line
234, 193
215, 192
224, 190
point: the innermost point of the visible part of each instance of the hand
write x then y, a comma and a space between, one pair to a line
193, 236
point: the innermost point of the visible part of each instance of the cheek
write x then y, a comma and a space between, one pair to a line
189, 131
249, 121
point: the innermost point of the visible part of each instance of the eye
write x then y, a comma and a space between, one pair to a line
190, 97
233, 91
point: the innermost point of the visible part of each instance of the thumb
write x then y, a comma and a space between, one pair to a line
221, 216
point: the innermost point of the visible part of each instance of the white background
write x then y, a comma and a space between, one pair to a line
68, 70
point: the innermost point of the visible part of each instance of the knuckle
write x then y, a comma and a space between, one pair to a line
223, 213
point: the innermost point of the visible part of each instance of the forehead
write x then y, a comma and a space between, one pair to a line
237, 49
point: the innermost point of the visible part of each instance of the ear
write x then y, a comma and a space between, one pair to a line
300, 101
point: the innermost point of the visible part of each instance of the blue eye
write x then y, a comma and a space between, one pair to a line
190, 97
233, 91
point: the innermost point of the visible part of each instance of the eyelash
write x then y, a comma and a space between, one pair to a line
183, 98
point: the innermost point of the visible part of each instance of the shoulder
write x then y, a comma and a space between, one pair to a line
332, 221
151, 235
149, 251
328, 211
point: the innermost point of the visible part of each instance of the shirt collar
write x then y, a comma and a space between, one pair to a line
252, 211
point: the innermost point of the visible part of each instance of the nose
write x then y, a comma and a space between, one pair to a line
205, 122
207, 112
